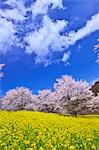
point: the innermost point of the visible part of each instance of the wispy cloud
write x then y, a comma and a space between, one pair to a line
91, 26
66, 56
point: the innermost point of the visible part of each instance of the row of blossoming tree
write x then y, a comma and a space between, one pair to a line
68, 96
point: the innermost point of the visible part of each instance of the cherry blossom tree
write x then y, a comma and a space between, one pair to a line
64, 87
46, 95
78, 104
45, 100
68, 87
17, 99
71, 95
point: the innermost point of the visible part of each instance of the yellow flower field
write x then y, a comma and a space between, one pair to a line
25, 130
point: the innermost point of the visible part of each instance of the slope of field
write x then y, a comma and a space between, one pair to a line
42, 131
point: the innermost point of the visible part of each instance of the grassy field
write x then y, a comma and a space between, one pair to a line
42, 131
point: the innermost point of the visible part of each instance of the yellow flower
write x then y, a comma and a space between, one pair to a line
41, 148
26, 142
93, 147
34, 146
89, 139
22, 128
72, 147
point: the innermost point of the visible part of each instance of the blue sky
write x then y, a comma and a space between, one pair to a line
42, 40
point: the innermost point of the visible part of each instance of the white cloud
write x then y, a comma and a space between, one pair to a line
16, 12
41, 6
47, 39
66, 56
7, 35
91, 26
7, 27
